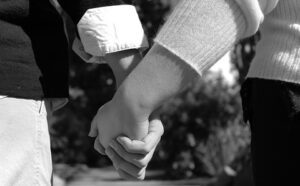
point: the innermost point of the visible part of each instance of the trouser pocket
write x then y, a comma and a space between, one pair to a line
24, 143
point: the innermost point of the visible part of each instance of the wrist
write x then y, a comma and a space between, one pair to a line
122, 63
133, 117
160, 76
132, 105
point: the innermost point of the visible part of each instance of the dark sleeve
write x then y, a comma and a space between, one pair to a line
77, 8
14, 10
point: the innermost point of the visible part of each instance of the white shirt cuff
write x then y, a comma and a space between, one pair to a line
79, 50
110, 29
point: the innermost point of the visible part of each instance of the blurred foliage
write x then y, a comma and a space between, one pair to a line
203, 126
152, 15
203, 129
243, 54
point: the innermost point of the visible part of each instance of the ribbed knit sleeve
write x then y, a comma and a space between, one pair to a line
278, 52
201, 32
14, 11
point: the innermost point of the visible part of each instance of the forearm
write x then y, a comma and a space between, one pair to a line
196, 35
157, 78
122, 63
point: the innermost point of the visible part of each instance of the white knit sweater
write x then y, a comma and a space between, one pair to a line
278, 52
202, 31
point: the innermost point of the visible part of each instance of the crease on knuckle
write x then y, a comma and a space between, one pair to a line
122, 175
121, 164
141, 176
128, 149
116, 165
146, 149
117, 150
122, 152
141, 163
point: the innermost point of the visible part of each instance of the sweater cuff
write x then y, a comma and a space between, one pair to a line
111, 29
253, 15
201, 32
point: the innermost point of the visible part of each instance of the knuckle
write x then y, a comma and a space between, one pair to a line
121, 165
116, 165
121, 175
146, 149
113, 159
141, 174
141, 177
127, 148
142, 163
121, 152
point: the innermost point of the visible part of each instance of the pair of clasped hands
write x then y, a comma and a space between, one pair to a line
128, 138
129, 157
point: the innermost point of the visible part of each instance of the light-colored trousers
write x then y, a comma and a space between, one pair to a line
25, 156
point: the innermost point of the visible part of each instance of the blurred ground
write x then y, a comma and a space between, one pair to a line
109, 177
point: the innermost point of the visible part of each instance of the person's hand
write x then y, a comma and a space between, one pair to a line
131, 157
113, 120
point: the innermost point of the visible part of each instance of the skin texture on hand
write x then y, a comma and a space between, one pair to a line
112, 121
122, 63
157, 78
160, 76
131, 157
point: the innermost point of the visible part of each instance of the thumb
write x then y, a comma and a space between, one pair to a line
146, 145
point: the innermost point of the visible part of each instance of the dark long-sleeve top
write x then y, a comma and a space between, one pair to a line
34, 48
77, 8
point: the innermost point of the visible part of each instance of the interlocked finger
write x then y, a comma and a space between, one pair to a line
146, 145
127, 176
139, 160
120, 163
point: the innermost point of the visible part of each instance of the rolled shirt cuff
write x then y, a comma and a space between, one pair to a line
110, 29
78, 48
